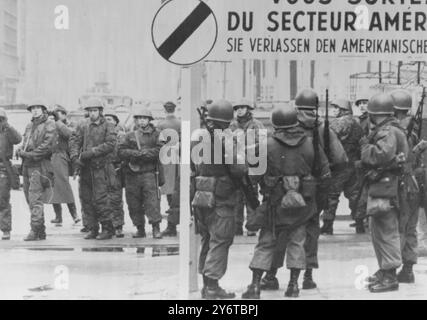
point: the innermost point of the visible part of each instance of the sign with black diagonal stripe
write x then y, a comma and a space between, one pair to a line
184, 31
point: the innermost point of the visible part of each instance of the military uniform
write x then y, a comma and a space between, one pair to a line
8, 137
37, 170
245, 123
380, 153
91, 149
171, 172
140, 150
291, 160
345, 179
216, 222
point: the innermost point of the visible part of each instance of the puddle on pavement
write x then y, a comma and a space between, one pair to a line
153, 251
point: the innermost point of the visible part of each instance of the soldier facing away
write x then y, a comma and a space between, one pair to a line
244, 120
8, 138
384, 153
349, 132
289, 190
214, 204
37, 167
140, 150
91, 149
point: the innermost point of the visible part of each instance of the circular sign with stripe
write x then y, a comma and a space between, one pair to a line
184, 32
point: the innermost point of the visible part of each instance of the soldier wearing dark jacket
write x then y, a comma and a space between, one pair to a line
61, 162
384, 154
289, 190
349, 132
214, 202
37, 167
364, 117
140, 150
171, 172
244, 121
306, 102
8, 138
410, 205
91, 150
116, 192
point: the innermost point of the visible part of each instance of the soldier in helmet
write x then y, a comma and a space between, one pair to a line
62, 192
91, 150
349, 132
244, 121
289, 190
214, 202
140, 150
362, 104
8, 137
384, 154
306, 103
171, 172
116, 194
409, 207
37, 168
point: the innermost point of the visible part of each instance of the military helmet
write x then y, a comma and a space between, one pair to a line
169, 106
284, 117
243, 103
343, 104
143, 112
220, 110
3, 113
59, 108
402, 100
37, 103
359, 101
94, 103
110, 112
381, 104
307, 99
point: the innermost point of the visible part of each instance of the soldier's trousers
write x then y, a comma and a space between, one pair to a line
34, 192
116, 199
173, 202
216, 227
345, 180
94, 188
5, 207
386, 239
270, 251
408, 231
239, 209
142, 198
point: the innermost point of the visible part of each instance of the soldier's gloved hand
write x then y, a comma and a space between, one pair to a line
86, 155
420, 147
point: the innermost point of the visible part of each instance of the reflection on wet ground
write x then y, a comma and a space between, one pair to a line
153, 250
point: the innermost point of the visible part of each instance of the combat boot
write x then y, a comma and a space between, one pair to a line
308, 282
254, 289
406, 274
6, 235
119, 232
238, 231
376, 277
214, 291
170, 231
293, 291
41, 233
32, 236
270, 282
251, 234
360, 227
205, 285
73, 212
58, 215
107, 231
140, 233
387, 283
93, 233
327, 228
156, 231
84, 230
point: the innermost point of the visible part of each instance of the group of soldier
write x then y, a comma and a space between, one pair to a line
107, 160
375, 159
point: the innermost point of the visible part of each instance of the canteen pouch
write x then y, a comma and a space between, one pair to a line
204, 198
309, 187
378, 206
386, 187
